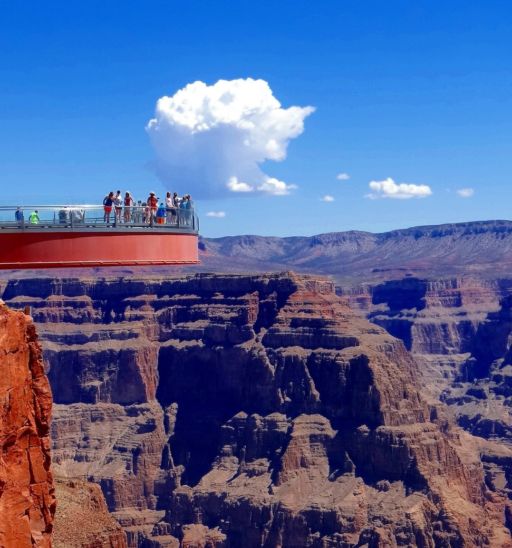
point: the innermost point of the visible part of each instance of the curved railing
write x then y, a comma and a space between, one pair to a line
93, 217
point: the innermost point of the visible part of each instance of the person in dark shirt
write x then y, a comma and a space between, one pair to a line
108, 201
19, 215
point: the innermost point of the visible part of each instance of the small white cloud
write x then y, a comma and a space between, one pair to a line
343, 176
238, 186
327, 198
465, 192
402, 191
275, 187
216, 214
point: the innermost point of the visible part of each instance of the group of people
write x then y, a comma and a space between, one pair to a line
174, 210
33, 218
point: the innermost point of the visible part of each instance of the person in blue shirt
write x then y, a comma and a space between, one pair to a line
108, 201
18, 216
161, 214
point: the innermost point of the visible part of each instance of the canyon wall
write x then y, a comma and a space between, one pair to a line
35, 509
252, 411
459, 331
27, 501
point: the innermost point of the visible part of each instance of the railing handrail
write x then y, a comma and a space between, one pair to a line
91, 217
74, 206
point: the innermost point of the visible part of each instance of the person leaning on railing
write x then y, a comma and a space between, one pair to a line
34, 217
108, 201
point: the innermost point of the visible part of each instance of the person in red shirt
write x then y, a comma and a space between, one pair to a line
129, 202
152, 206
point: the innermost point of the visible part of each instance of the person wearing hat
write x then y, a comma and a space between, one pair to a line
152, 206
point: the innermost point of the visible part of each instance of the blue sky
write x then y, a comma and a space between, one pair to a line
418, 91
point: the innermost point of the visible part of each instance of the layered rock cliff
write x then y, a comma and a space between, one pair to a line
27, 501
252, 411
437, 319
459, 331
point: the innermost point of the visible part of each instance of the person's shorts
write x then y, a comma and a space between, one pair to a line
107, 209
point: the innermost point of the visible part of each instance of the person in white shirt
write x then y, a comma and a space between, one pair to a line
118, 204
169, 208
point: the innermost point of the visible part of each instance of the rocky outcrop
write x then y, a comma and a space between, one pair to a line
83, 520
251, 411
27, 501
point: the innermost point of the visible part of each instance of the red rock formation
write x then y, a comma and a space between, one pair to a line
252, 411
27, 501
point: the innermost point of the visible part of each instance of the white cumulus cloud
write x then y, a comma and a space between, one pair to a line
238, 186
216, 214
343, 176
465, 192
327, 198
400, 191
210, 140
275, 187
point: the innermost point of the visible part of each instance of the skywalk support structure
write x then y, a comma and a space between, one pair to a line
79, 236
